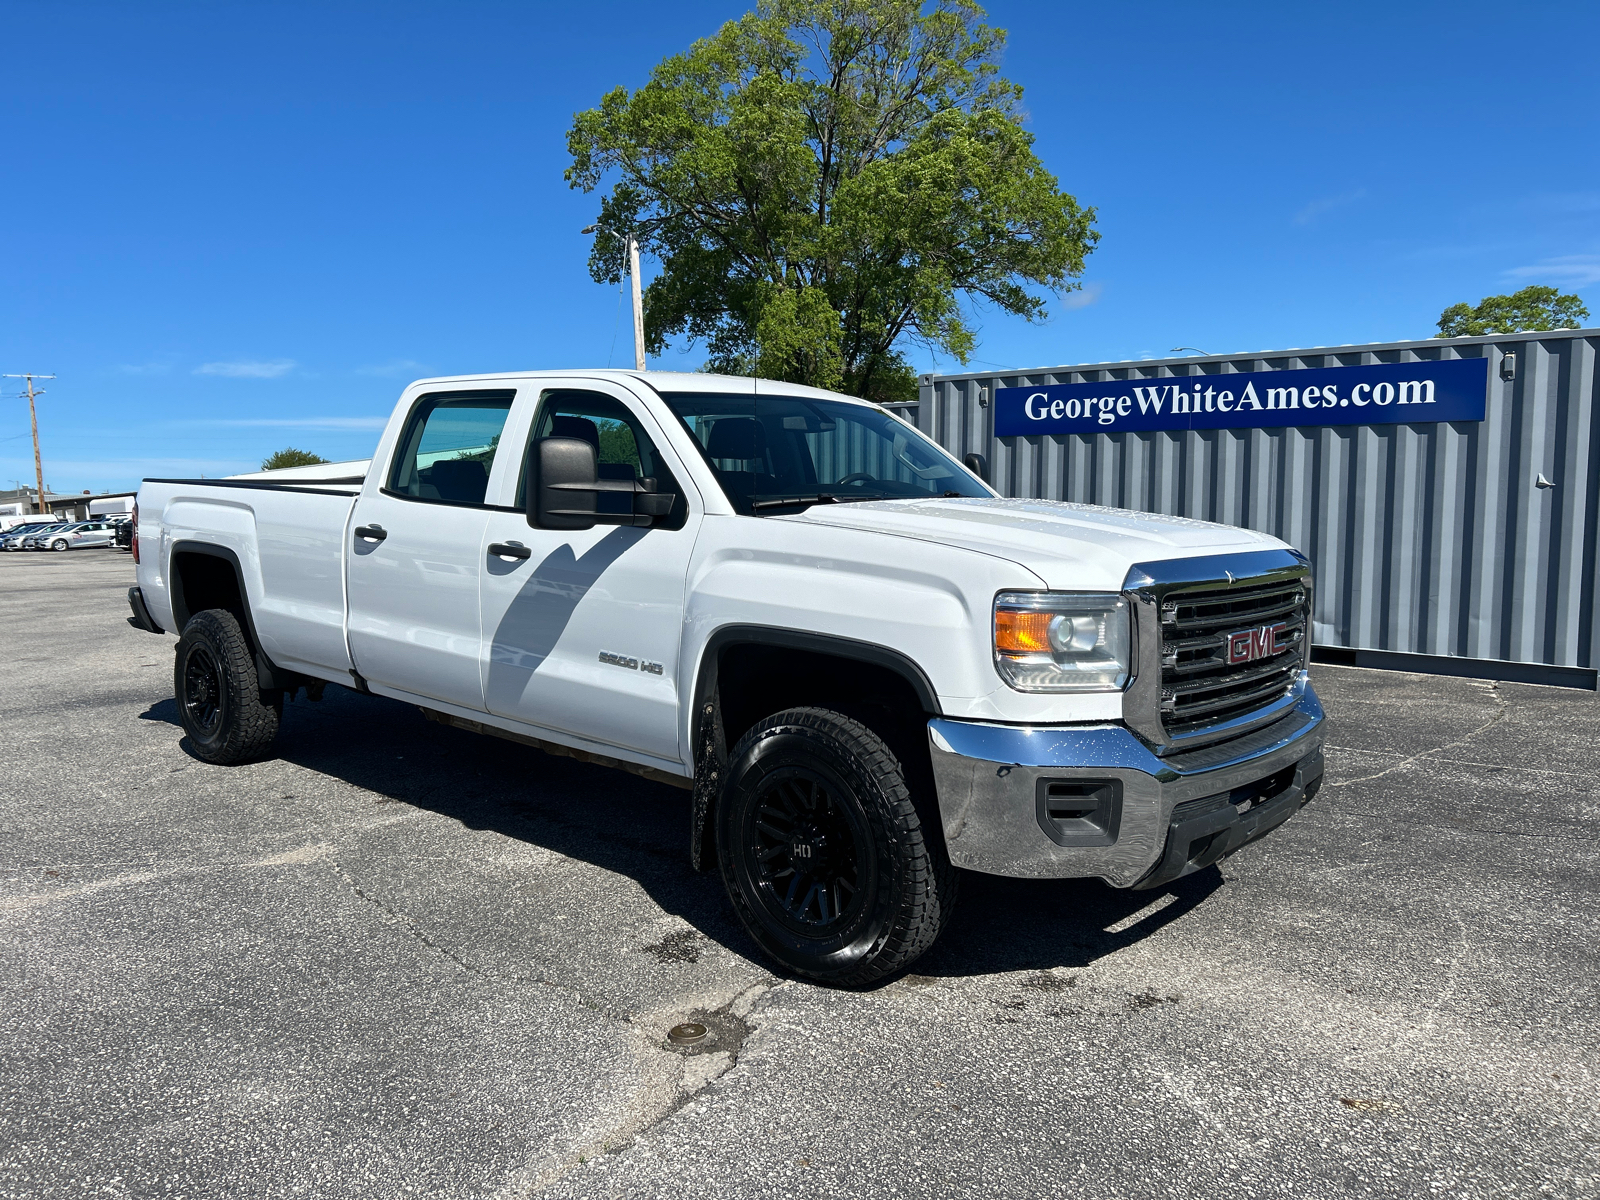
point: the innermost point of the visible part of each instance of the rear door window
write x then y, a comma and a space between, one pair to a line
449, 445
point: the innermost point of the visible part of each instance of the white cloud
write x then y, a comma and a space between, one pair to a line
247, 370
1316, 208
144, 368
65, 473
1447, 252
1573, 270
400, 366
1084, 296
353, 423
1565, 202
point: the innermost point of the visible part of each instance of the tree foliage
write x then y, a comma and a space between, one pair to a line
290, 457
825, 181
617, 444
1535, 309
483, 455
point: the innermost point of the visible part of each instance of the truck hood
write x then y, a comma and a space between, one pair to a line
1081, 547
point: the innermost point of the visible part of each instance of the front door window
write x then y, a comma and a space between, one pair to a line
449, 446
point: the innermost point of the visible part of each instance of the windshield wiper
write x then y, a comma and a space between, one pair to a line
791, 501
819, 498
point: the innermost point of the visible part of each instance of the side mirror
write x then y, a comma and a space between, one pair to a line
978, 465
651, 503
561, 484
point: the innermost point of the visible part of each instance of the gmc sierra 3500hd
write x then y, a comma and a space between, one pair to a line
869, 667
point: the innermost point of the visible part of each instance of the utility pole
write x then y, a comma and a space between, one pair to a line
33, 420
638, 294
638, 304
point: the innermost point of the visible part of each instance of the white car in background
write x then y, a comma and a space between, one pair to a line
13, 538
28, 540
77, 536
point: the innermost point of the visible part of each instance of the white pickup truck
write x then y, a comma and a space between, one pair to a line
869, 667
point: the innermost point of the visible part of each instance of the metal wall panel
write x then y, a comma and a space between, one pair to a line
1427, 539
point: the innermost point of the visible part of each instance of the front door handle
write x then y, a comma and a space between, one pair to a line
509, 550
371, 533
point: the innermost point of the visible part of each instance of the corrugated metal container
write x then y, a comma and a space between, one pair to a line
1474, 539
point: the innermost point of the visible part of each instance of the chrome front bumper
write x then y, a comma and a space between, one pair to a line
1061, 801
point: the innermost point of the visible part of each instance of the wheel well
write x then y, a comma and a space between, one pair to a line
203, 576
751, 673
754, 681
205, 581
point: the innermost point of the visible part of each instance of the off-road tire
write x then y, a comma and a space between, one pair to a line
220, 703
906, 883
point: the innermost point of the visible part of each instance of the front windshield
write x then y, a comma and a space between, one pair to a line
781, 453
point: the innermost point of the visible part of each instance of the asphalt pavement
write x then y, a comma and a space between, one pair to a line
404, 960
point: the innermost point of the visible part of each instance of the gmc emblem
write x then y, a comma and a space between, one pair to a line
1247, 645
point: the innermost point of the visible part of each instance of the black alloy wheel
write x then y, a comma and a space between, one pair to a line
809, 841
828, 862
202, 691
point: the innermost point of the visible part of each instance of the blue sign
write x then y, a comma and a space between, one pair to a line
1382, 394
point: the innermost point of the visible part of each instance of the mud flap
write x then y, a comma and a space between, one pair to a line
710, 767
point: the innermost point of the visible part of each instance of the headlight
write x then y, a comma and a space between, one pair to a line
1062, 641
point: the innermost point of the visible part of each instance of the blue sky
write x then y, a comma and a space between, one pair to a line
232, 227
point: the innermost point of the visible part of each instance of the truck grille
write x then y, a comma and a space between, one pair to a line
1228, 651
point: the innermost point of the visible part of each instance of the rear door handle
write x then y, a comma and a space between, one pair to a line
371, 533
509, 550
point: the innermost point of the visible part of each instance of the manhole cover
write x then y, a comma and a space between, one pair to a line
691, 1034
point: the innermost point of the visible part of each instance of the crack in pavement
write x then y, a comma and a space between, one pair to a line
1524, 833
1184, 1092
416, 932
670, 1082
669, 1079
1467, 762
311, 852
1493, 689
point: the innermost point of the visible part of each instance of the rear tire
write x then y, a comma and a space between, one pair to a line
219, 699
827, 863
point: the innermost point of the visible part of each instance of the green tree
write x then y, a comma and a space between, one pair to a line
617, 444
485, 455
290, 457
826, 181
1536, 309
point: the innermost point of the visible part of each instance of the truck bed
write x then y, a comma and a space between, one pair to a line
288, 539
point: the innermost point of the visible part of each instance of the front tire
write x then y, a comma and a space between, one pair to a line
219, 700
59, 544
823, 853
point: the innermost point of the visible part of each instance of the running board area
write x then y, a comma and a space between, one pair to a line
556, 748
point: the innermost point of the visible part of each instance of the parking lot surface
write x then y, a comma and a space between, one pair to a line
403, 960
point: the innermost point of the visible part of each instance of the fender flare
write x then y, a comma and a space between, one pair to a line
268, 674
706, 739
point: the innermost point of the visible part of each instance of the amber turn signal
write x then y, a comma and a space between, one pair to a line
1022, 632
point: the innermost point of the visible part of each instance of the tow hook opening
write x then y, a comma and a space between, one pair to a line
1080, 812
1201, 847
1261, 791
